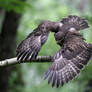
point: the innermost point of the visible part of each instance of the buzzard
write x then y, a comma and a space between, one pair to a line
29, 48
74, 54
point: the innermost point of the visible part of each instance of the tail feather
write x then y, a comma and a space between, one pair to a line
75, 22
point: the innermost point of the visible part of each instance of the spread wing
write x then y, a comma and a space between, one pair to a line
70, 24
73, 21
30, 47
68, 62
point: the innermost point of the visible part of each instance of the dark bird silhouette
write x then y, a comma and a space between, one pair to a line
74, 54
29, 48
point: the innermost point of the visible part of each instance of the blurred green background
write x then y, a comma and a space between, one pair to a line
29, 77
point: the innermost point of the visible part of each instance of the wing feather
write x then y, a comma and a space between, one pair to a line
65, 69
30, 47
73, 21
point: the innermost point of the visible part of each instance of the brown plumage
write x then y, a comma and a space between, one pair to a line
72, 22
70, 59
74, 54
29, 48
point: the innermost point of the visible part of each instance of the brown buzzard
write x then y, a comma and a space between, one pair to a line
74, 54
29, 48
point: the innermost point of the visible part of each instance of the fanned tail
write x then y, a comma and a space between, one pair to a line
75, 22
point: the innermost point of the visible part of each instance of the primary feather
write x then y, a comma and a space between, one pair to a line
74, 54
73, 21
29, 48
69, 60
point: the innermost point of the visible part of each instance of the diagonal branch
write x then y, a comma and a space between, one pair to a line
12, 61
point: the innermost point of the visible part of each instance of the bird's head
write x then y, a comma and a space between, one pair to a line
47, 26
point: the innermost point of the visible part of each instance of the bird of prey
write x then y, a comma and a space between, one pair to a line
29, 48
74, 54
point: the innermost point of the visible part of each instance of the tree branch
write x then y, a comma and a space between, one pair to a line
12, 61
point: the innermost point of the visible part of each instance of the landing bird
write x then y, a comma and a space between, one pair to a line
29, 48
74, 54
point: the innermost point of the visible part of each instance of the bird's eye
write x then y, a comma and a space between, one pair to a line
43, 27
47, 28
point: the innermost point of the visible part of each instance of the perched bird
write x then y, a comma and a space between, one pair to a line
29, 48
74, 54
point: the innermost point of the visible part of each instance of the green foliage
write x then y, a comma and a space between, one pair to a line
16, 81
35, 11
18, 6
89, 18
51, 10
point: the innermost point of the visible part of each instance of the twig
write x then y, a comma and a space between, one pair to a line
12, 61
